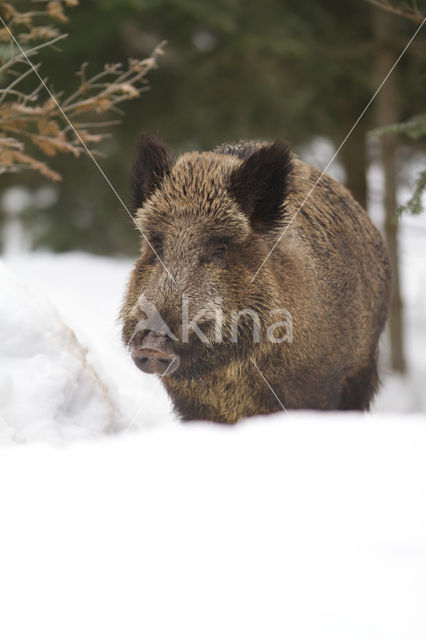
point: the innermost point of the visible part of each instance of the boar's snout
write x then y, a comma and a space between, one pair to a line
153, 354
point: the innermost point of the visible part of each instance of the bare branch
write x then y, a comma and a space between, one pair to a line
410, 12
8, 89
19, 57
30, 120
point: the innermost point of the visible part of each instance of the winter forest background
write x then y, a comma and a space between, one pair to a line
290, 526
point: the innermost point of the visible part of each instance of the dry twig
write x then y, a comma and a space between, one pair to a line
29, 121
404, 10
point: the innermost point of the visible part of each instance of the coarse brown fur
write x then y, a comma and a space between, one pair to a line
329, 269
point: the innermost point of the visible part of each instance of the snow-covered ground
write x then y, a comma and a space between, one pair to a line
47, 387
310, 527
86, 291
301, 526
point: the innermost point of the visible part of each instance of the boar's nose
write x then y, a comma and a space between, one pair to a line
153, 355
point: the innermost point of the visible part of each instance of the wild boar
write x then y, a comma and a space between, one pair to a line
259, 286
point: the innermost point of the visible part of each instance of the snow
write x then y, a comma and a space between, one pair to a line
47, 387
68, 384
301, 526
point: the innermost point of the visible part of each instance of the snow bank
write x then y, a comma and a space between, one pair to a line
307, 526
87, 290
48, 390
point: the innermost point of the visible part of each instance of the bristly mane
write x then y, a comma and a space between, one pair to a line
242, 149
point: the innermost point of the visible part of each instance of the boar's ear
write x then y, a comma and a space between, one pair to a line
261, 183
152, 164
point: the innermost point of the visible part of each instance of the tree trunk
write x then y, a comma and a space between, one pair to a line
353, 155
386, 112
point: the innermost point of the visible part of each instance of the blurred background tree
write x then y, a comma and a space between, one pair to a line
37, 121
387, 109
232, 69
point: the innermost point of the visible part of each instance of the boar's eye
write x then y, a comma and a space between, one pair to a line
216, 252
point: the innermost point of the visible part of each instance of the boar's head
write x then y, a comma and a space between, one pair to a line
208, 220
